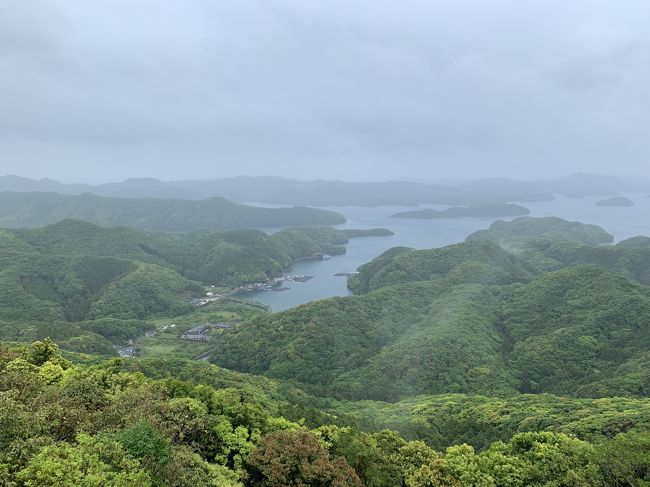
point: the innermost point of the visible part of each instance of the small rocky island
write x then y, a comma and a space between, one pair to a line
492, 210
617, 202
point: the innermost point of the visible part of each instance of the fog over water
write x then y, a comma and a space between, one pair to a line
622, 223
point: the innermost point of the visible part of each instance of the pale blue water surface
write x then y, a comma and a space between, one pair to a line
423, 234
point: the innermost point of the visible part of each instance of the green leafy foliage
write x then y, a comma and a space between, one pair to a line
88, 463
529, 459
101, 425
447, 419
297, 458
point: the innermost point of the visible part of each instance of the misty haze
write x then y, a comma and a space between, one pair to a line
331, 244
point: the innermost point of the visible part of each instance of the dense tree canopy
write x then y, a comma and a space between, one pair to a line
67, 424
514, 359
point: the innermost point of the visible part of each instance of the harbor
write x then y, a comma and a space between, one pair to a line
275, 284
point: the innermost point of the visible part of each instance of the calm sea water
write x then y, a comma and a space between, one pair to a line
423, 234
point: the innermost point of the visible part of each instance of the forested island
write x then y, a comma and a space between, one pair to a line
493, 210
525, 231
617, 202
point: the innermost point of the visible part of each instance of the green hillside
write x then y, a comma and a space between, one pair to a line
443, 420
225, 258
524, 230
440, 420
67, 279
518, 359
68, 424
476, 262
551, 244
442, 337
468, 318
43, 295
31, 210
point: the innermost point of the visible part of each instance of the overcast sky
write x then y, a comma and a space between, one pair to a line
102, 90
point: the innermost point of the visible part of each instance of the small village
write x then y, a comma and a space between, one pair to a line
201, 332
274, 284
210, 297
198, 333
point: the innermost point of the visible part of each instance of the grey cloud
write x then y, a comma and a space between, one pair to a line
350, 89
31, 29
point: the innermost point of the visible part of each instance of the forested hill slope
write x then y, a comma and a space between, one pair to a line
36, 287
524, 230
468, 318
552, 243
223, 258
65, 279
29, 210
534, 244
67, 424
449, 337
513, 251
477, 262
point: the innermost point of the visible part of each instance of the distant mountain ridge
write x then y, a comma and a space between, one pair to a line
284, 191
35, 209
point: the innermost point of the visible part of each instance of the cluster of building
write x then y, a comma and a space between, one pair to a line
273, 284
257, 286
157, 331
207, 299
200, 333
127, 352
